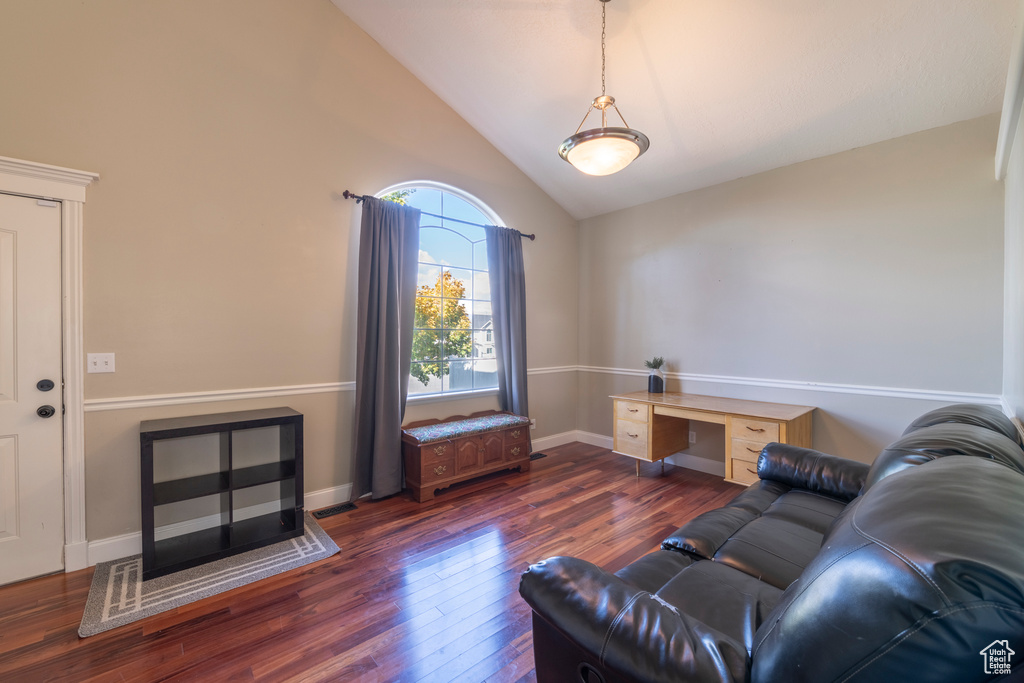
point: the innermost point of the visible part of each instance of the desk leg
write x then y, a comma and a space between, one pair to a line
663, 467
638, 469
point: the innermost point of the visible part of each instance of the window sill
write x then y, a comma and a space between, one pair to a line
451, 396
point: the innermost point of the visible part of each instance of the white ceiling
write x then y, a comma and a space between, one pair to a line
723, 88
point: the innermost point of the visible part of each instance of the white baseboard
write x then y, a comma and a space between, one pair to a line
554, 440
116, 547
592, 439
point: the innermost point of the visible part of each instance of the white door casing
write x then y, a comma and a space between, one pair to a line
31, 423
67, 185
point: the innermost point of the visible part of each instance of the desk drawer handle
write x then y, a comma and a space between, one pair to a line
752, 450
515, 434
440, 449
633, 410
515, 451
751, 471
632, 436
439, 470
755, 429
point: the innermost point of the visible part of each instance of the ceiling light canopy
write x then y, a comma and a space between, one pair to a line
604, 150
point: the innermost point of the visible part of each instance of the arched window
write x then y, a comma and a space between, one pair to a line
452, 348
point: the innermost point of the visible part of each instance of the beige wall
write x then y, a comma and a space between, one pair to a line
218, 255
873, 270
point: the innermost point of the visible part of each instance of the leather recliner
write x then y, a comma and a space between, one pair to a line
824, 570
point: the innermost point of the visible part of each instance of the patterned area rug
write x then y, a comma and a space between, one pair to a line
119, 596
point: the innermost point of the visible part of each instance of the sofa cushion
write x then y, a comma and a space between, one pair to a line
654, 570
703, 535
771, 549
988, 417
769, 531
724, 598
812, 470
917, 578
942, 440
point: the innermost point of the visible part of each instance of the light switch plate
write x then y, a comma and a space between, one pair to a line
99, 362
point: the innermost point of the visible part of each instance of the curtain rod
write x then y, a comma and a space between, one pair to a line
360, 197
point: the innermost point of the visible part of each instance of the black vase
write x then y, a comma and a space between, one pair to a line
655, 384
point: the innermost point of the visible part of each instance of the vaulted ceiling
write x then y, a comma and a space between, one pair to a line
723, 88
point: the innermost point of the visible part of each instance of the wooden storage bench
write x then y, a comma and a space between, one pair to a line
439, 453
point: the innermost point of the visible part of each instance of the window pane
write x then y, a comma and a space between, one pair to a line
457, 344
481, 286
480, 255
426, 345
459, 284
481, 314
460, 376
424, 379
425, 199
439, 245
427, 274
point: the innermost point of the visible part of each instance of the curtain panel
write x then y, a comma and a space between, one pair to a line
388, 250
508, 310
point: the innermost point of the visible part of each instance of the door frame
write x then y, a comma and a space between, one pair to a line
67, 186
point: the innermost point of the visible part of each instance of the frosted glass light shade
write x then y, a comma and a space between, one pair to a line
603, 151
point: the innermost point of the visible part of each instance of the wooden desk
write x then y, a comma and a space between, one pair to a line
652, 427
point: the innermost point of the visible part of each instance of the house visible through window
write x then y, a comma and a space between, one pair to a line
452, 347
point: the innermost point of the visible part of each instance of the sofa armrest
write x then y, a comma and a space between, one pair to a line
631, 632
812, 470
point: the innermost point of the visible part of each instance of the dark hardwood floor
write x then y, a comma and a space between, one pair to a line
419, 592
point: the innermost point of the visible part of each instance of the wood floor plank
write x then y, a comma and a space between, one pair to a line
419, 592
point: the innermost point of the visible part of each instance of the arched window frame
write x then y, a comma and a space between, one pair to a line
490, 217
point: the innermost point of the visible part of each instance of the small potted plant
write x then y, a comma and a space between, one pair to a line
656, 380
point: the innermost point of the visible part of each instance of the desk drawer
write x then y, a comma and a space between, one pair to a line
631, 438
754, 430
626, 410
742, 449
744, 472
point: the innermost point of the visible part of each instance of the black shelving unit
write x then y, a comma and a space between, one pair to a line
232, 535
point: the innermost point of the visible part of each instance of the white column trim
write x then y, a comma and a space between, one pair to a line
68, 186
1013, 97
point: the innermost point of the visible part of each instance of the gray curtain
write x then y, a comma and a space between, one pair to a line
508, 309
389, 243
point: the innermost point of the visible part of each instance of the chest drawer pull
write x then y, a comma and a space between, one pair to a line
515, 434
440, 449
755, 429
515, 451
440, 469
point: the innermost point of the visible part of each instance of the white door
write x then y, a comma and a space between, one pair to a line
31, 437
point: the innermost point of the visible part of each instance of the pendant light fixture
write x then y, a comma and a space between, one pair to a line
604, 150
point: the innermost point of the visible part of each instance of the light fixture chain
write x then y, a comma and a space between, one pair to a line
604, 5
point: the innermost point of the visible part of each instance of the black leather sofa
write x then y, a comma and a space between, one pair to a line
824, 570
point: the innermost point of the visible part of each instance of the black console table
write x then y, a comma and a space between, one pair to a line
226, 472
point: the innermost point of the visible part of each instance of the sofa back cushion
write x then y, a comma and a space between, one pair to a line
988, 417
941, 440
912, 582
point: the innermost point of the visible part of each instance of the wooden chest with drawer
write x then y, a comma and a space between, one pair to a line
652, 427
439, 453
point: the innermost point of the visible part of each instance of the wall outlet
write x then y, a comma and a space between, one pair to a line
99, 362
533, 423
693, 436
